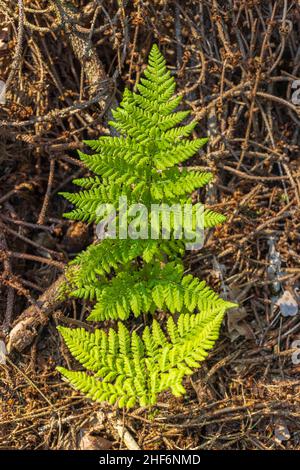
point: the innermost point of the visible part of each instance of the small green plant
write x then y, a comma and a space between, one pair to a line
141, 276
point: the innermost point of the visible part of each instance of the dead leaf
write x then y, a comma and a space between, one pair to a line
4, 34
3, 40
237, 326
3, 47
274, 268
281, 431
287, 304
76, 237
90, 441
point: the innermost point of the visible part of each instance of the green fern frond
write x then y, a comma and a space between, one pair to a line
87, 183
164, 288
178, 184
100, 259
177, 154
131, 277
131, 370
109, 167
211, 218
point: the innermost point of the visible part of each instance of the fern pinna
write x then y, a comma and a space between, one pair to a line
141, 276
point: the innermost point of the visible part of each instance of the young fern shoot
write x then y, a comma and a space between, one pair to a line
141, 275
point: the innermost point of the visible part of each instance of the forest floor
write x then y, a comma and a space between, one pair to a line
236, 64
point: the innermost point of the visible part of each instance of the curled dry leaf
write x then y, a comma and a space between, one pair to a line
237, 326
287, 304
91, 441
281, 431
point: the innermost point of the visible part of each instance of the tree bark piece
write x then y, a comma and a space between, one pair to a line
82, 47
28, 323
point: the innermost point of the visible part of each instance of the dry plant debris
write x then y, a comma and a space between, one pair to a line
63, 69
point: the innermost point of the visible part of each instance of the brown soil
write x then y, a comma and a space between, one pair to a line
235, 62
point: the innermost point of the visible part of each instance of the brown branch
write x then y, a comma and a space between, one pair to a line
27, 325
